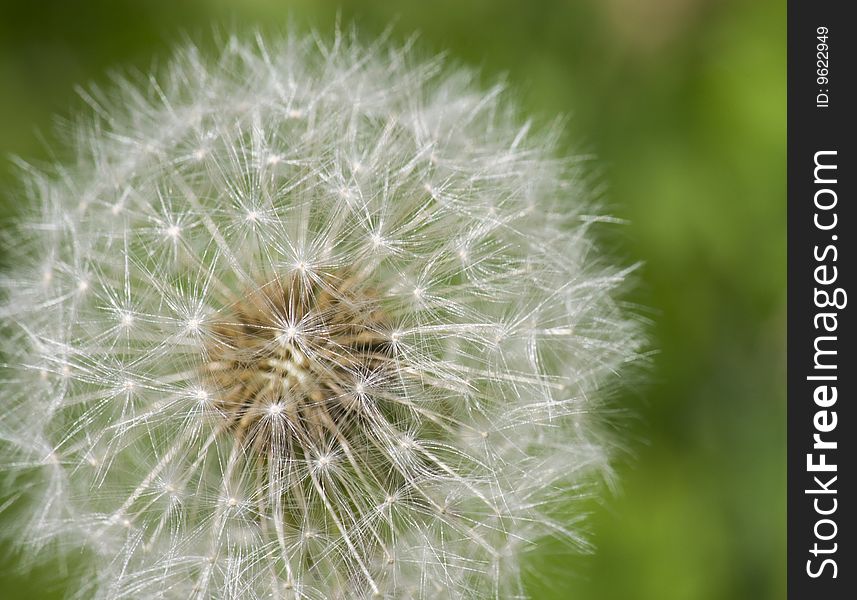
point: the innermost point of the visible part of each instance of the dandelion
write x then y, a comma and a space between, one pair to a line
308, 321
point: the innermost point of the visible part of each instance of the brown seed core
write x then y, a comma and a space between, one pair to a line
298, 353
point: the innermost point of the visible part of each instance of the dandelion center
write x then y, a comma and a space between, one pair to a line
290, 359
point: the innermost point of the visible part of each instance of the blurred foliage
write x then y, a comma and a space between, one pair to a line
683, 101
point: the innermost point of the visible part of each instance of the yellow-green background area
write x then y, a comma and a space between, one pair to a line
684, 103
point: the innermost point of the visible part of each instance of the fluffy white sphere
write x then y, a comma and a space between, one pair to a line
307, 321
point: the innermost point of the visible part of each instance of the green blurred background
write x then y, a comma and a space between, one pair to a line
684, 103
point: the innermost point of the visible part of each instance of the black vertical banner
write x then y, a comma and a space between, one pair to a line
822, 226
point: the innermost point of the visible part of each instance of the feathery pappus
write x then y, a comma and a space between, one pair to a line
306, 320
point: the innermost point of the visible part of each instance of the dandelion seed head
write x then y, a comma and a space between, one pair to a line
306, 322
